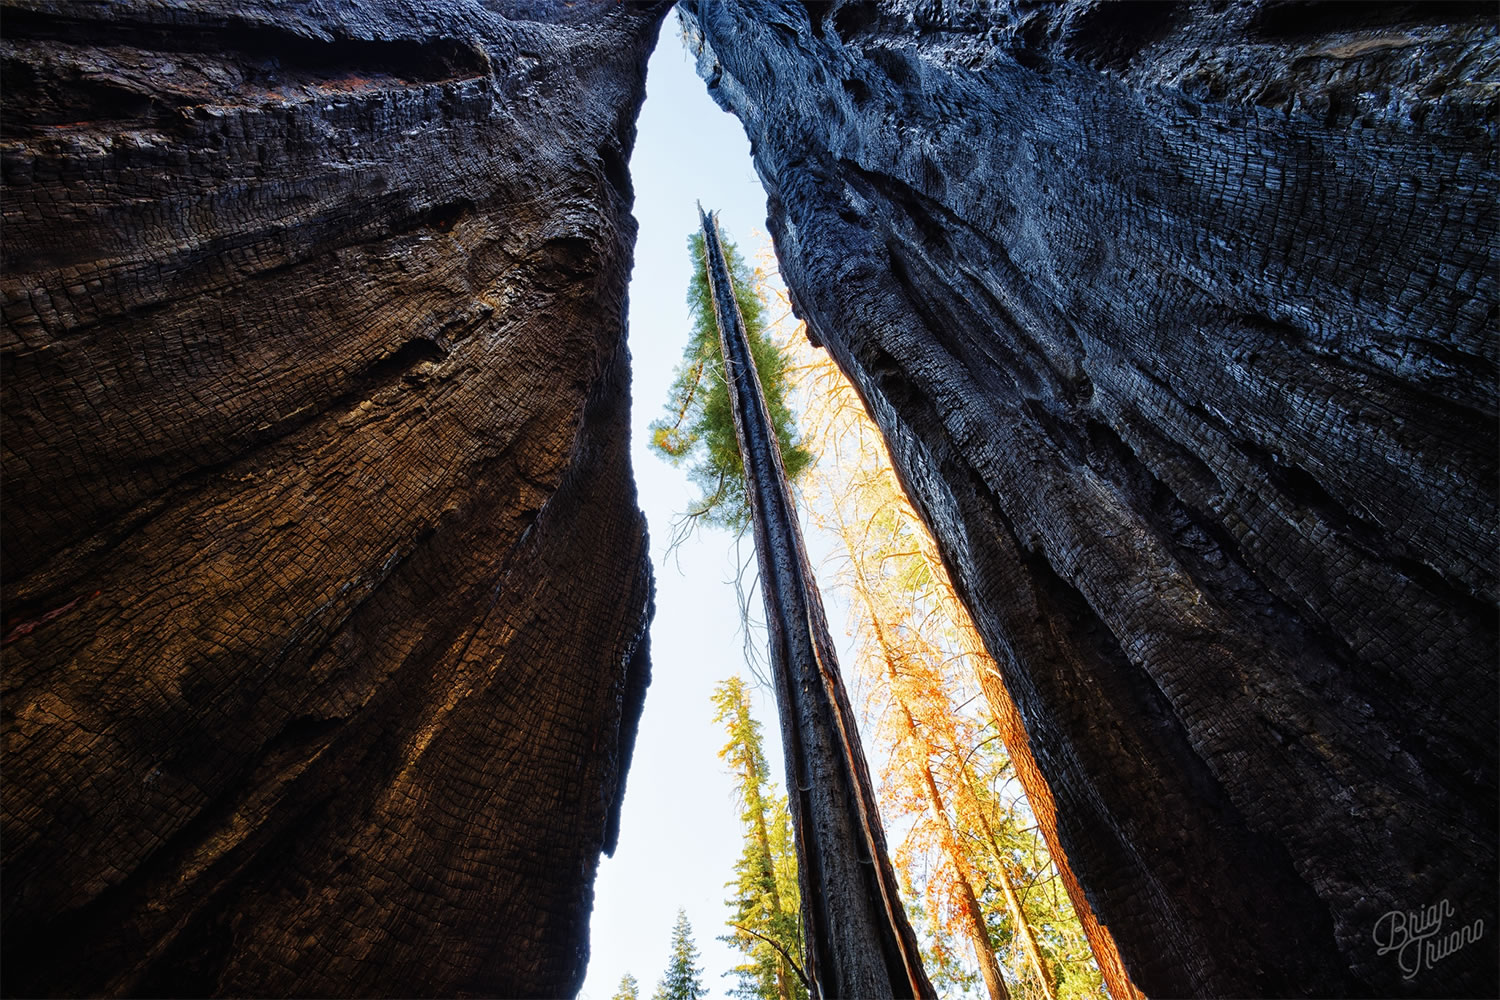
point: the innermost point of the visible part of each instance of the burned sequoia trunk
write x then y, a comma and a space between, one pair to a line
325, 588
1181, 323
858, 940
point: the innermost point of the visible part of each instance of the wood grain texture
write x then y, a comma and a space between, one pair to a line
1181, 322
325, 589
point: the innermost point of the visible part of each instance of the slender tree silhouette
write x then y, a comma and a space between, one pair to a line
859, 942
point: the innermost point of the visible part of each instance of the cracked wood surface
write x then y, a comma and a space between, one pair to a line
1180, 320
325, 589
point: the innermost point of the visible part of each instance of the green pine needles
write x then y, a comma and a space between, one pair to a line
699, 426
683, 980
766, 924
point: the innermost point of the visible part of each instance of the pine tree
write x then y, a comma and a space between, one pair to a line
891, 649
628, 990
765, 904
699, 425
683, 979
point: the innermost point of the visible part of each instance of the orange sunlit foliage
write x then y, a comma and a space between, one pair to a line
981, 859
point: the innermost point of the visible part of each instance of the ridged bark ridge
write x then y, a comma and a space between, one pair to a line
1180, 320
325, 588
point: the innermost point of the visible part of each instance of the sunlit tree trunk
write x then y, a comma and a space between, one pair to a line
859, 942
984, 951
1039, 795
973, 915
1007, 885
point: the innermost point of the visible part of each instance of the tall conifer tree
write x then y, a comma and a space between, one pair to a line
858, 941
765, 919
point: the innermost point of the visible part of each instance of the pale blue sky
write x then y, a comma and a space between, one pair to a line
679, 832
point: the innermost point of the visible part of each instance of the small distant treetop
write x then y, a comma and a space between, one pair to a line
698, 428
629, 989
683, 979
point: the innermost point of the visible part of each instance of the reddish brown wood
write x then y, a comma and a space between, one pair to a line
325, 590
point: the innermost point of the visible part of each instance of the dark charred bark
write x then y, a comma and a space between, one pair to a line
859, 943
325, 589
1180, 320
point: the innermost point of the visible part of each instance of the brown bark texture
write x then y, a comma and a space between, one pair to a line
325, 590
858, 940
1180, 320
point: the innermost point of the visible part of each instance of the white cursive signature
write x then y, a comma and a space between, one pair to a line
1414, 936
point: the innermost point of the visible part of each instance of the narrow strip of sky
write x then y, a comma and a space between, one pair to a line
679, 832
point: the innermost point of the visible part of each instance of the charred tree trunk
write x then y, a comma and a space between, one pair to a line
325, 590
1181, 323
859, 943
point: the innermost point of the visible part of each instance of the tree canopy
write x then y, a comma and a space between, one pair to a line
698, 429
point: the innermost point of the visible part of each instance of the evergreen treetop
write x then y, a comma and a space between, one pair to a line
683, 979
628, 989
699, 426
